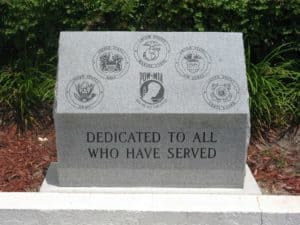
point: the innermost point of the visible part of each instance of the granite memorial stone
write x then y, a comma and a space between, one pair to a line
158, 109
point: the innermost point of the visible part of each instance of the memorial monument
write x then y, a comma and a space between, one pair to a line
151, 109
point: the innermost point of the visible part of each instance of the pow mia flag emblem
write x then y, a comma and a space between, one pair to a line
152, 90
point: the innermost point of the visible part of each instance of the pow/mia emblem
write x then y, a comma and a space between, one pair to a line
152, 51
221, 92
193, 63
111, 62
84, 92
152, 91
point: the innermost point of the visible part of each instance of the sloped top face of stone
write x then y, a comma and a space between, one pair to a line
151, 72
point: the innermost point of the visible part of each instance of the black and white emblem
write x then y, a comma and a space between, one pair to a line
193, 63
152, 90
221, 92
111, 62
151, 51
84, 92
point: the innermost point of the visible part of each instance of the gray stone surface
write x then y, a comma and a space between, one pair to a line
51, 184
145, 91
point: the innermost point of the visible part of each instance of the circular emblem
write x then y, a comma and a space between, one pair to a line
221, 92
152, 92
84, 92
111, 62
193, 63
152, 51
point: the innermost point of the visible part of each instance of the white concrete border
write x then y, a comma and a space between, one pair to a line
147, 209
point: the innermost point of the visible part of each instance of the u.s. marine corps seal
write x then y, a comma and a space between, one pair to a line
84, 92
152, 90
152, 51
193, 63
111, 62
221, 92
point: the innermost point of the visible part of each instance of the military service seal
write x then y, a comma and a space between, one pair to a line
152, 51
193, 63
221, 92
111, 62
84, 92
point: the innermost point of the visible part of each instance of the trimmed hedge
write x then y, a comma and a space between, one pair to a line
29, 31
30, 28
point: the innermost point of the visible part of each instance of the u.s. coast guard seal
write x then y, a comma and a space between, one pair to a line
193, 63
111, 62
152, 90
84, 92
221, 92
152, 51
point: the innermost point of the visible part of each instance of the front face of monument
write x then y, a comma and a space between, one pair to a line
159, 109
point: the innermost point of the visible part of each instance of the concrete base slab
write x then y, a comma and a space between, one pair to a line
50, 184
147, 209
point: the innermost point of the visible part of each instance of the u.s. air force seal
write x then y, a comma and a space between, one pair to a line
152, 51
221, 92
152, 90
111, 62
193, 63
84, 92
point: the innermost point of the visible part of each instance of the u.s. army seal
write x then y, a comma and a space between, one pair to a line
221, 92
111, 62
84, 92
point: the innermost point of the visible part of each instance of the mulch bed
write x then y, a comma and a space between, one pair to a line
24, 161
276, 165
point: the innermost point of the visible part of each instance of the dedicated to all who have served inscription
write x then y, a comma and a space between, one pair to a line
159, 109
151, 152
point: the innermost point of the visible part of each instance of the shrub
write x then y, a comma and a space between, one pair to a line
26, 97
29, 31
274, 88
33, 25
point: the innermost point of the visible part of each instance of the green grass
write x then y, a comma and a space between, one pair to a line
26, 96
274, 88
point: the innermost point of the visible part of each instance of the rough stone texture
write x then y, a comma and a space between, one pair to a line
280, 210
281, 218
89, 217
210, 96
147, 209
50, 184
